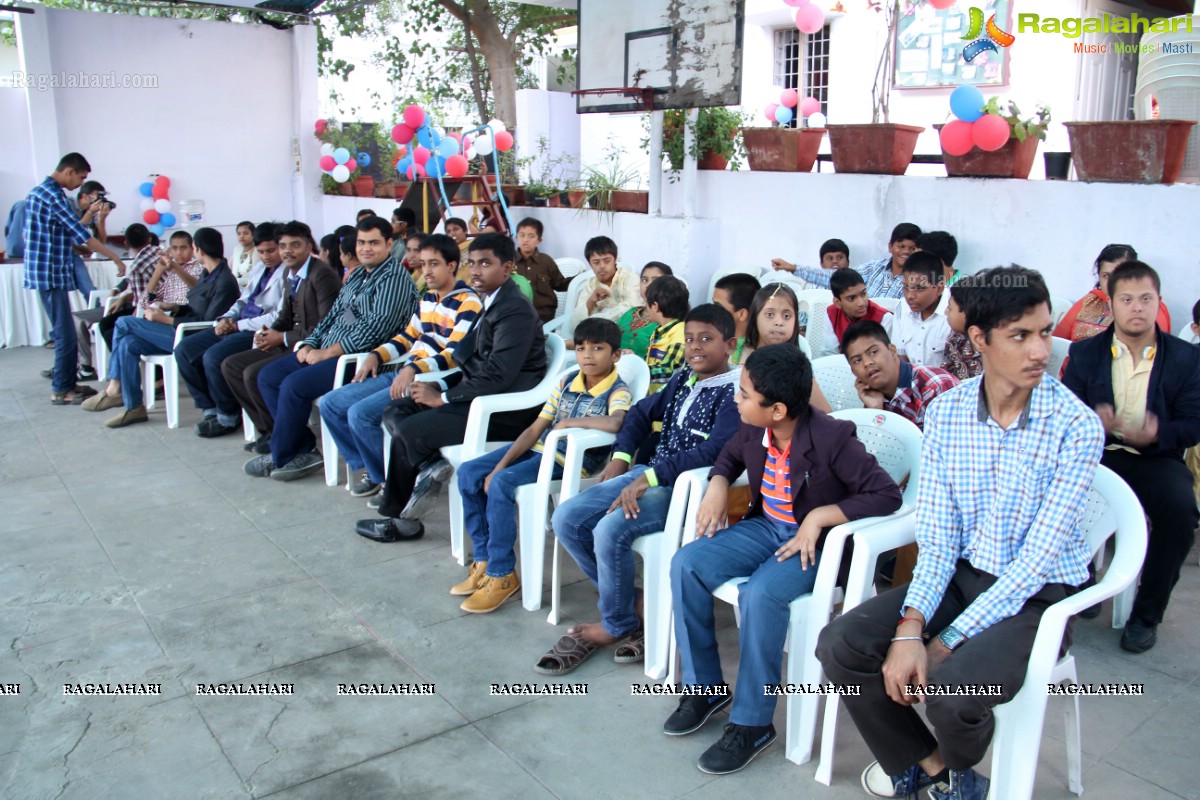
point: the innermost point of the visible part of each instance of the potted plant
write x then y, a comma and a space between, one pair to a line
547, 187
339, 135
1015, 158
782, 149
881, 147
716, 142
607, 187
388, 176
1129, 151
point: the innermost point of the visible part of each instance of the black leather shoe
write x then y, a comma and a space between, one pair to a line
389, 529
693, 712
261, 445
737, 748
1139, 636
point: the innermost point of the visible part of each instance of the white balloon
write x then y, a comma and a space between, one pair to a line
340, 173
484, 145
146, 204
162, 206
472, 153
816, 120
327, 149
497, 125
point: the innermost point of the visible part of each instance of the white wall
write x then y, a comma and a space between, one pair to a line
16, 167
219, 124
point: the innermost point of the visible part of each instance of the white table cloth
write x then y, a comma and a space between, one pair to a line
23, 321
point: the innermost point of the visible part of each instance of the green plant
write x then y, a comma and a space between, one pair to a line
601, 181
717, 131
339, 135
551, 177
386, 149
1021, 129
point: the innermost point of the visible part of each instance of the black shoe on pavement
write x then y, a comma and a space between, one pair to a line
693, 712
389, 530
86, 374
737, 748
211, 428
261, 445
1139, 636
364, 486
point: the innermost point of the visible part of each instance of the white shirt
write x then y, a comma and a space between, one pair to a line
922, 341
830, 346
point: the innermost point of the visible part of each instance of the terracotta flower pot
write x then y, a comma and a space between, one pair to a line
576, 198
1131, 151
515, 194
878, 149
631, 201
782, 149
386, 189
346, 189
364, 186
714, 161
1013, 160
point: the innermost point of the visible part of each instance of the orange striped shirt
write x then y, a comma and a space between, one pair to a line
777, 483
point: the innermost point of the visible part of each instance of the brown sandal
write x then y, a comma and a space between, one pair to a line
567, 654
632, 650
78, 395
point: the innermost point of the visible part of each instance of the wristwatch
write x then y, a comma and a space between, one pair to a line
952, 638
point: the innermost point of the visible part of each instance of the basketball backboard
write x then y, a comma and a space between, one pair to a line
689, 54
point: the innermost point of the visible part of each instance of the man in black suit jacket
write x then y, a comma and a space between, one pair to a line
1145, 385
504, 352
312, 286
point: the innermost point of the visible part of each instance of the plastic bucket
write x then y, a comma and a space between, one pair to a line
191, 213
1173, 78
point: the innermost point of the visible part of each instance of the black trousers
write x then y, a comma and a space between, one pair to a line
418, 432
241, 373
853, 647
109, 322
1164, 487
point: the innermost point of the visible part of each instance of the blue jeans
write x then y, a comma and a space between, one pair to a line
83, 279
353, 415
747, 548
491, 519
289, 389
601, 543
199, 358
133, 338
57, 303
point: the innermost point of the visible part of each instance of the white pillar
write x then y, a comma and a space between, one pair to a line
33, 49
307, 199
689, 164
656, 144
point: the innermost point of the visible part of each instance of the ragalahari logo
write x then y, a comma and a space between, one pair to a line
984, 37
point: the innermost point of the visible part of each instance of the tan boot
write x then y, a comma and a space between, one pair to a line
475, 574
492, 593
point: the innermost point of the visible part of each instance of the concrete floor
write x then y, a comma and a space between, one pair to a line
145, 555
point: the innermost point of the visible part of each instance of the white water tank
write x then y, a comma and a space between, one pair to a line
1172, 76
191, 213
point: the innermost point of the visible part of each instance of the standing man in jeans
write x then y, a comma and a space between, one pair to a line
51, 229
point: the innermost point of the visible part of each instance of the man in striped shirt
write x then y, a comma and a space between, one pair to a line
448, 310
51, 228
1007, 461
887, 382
371, 307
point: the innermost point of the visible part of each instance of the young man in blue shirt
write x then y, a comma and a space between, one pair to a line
1007, 461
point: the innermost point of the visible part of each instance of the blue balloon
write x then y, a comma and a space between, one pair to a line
167, 220
783, 115
967, 103
341, 155
425, 137
363, 159
435, 166
147, 189
448, 147
157, 229
403, 164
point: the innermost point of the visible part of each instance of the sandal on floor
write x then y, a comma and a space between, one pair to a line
567, 654
632, 650
80, 393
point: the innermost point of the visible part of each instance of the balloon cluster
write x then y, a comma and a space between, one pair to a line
972, 127
438, 153
809, 17
790, 105
156, 204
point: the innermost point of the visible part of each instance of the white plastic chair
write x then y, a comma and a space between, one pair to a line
813, 302
329, 448
1059, 306
475, 441
1112, 510
754, 272
534, 499
889, 303
1058, 354
170, 369
100, 298
802, 343
568, 268
896, 444
559, 324
1186, 334
836, 379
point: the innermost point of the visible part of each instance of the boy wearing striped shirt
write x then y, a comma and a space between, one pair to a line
807, 473
446, 313
666, 306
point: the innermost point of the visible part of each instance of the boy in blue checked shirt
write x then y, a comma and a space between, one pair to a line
807, 473
598, 526
1007, 461
593, 396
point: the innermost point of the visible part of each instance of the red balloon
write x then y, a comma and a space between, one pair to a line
402, 134
352, 165
457, 165
150, 216
159, 192
941, 5
421, 155
327, 163
416, 172
321, 126
810, 18
990, 132
414, 116
789, 98
163, 181
504, 141
769, 112
957, 138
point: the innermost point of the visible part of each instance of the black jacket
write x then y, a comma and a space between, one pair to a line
211, 297
1173, 395
504, 352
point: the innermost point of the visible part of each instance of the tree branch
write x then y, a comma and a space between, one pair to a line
526, 24
456, 9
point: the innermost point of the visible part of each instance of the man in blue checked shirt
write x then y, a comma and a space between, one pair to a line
882, 276
51, 229
1007, 462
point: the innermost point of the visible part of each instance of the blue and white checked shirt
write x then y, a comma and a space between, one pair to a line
876, 274
1008, 501
51, 228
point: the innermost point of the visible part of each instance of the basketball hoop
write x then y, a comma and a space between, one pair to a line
643, 99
